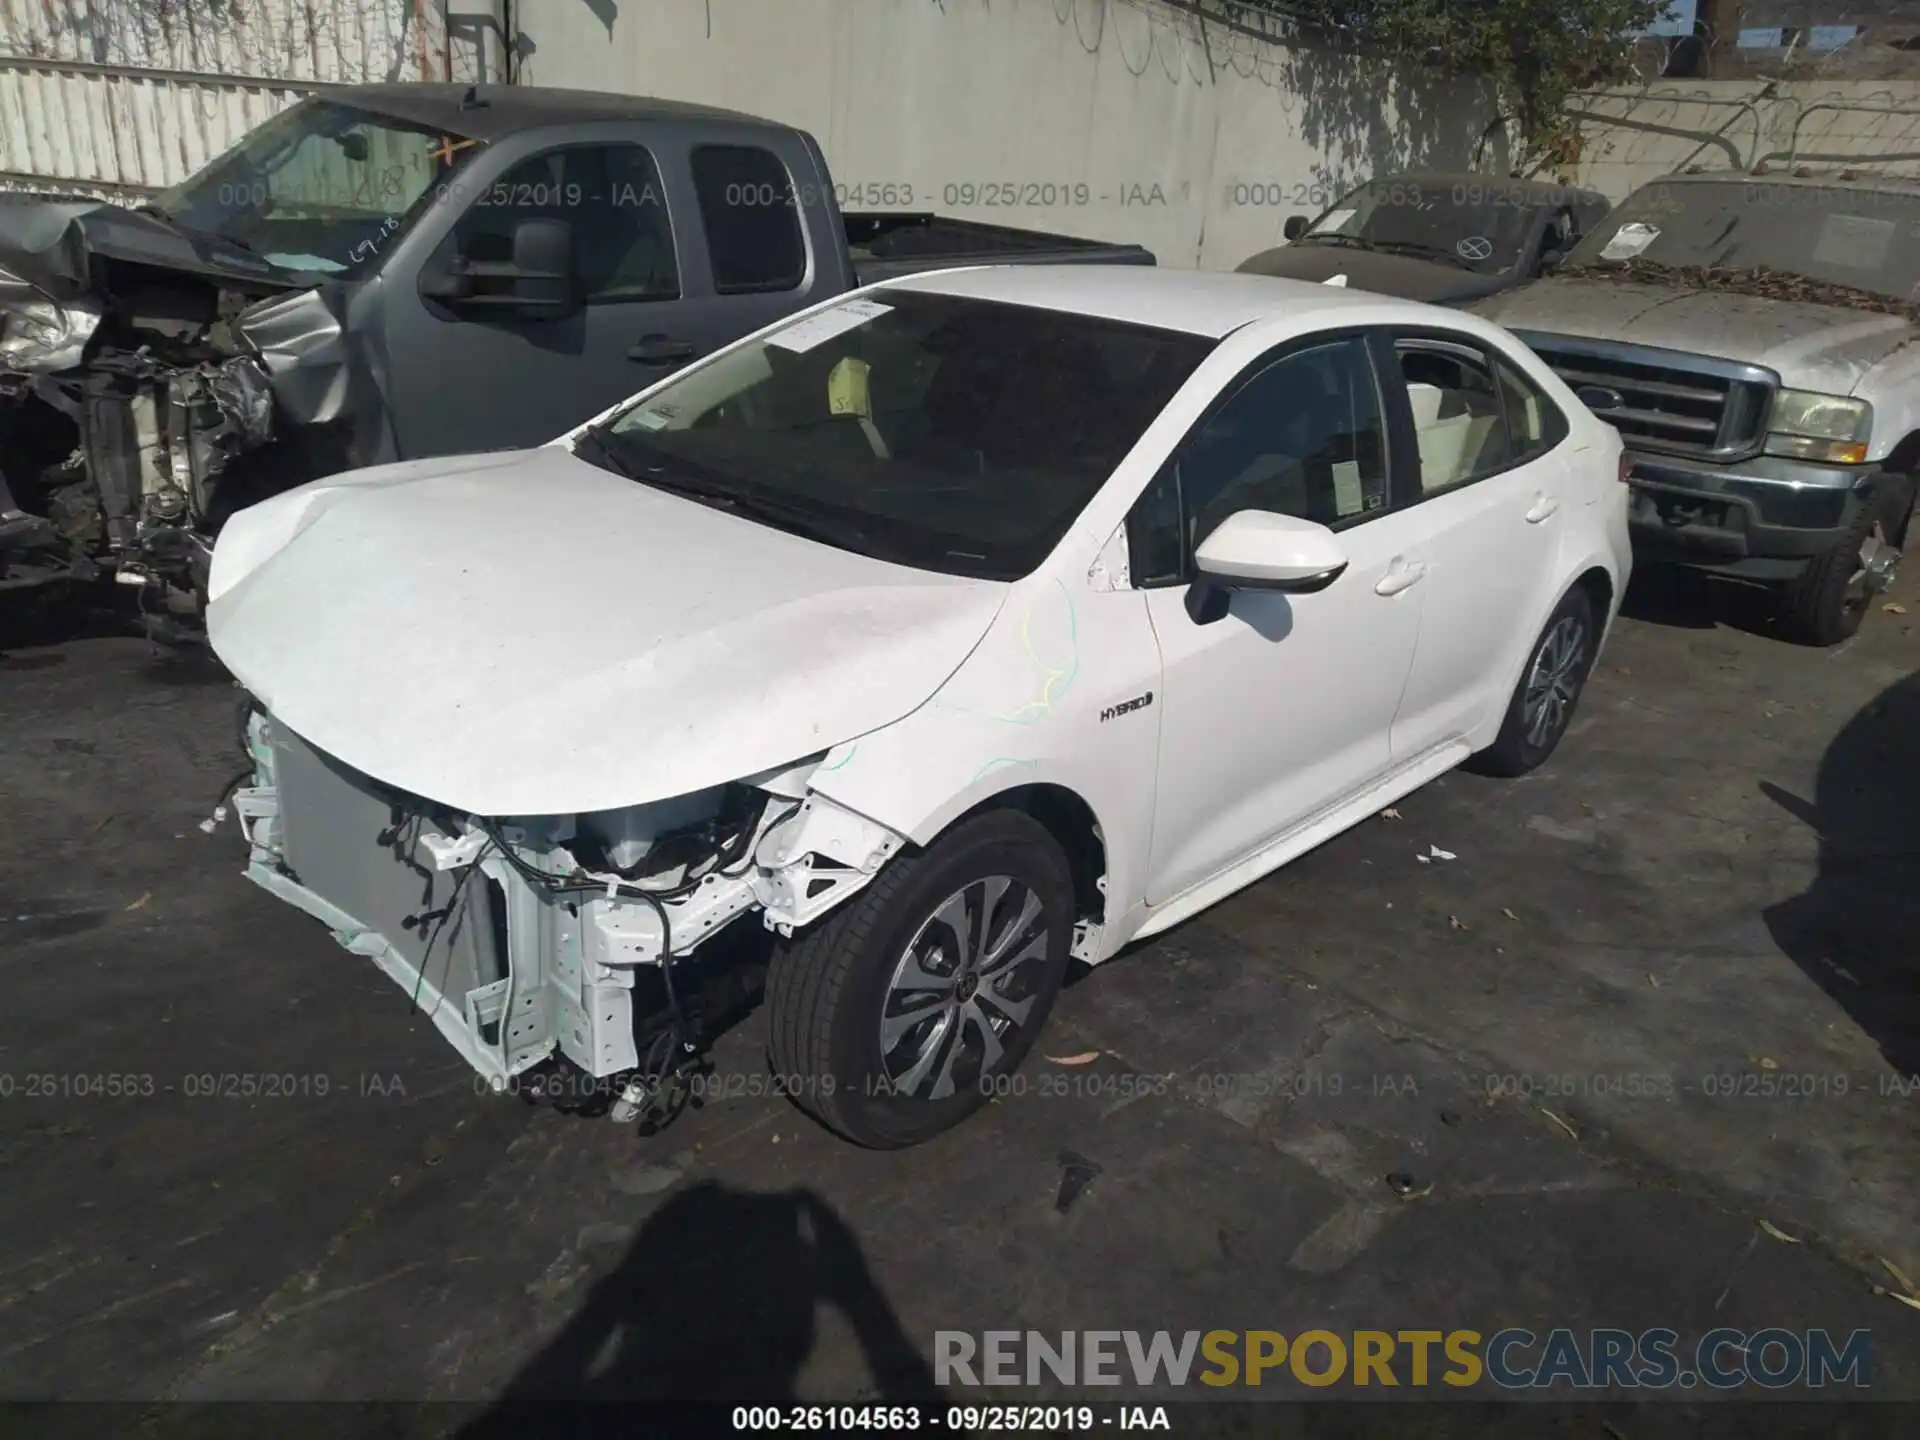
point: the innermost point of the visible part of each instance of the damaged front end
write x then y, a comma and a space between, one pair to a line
553, 940
137, 403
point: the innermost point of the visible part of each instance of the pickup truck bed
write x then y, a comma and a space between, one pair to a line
887, 245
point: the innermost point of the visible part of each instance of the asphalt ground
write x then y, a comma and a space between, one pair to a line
1629, 1054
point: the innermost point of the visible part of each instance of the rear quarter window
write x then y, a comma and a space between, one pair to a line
753, 226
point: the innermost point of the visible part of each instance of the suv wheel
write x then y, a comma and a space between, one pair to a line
896, 1016
1826, 602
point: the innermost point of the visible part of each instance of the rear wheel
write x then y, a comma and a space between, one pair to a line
1825, 603
897, 1016
1543, 702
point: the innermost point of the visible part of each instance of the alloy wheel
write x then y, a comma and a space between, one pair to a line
1879, 561
962, 988
1553, 684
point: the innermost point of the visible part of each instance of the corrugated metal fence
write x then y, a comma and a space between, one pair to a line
117, 96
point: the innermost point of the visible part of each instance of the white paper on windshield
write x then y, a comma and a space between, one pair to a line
818, 329
657, 417
1348, 498
1334, 222
1854, 242
1629, 240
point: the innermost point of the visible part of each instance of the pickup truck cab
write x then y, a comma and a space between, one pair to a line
393, 272
1442, 238
1752, 338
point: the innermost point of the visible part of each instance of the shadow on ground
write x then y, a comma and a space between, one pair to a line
1685, 599
1856, 930
37, 623
719, 1298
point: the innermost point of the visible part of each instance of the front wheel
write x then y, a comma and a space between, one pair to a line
1543, 702
1826, 602
895, 1017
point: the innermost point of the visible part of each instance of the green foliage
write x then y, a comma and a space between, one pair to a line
1536, 53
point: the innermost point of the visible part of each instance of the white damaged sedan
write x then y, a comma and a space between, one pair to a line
972, 624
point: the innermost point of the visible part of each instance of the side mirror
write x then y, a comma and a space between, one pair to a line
446, 278
1295, 227
1259, 550
543, 274
538, 283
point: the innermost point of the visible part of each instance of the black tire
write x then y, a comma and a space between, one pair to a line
1821, 606
1566, 648
1901, 510
829, 988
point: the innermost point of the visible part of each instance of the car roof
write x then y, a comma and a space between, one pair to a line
1199, 302
503, 109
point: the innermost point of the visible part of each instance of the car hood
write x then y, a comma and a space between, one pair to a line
49, 241
1384, 274
1827, 348
526, 634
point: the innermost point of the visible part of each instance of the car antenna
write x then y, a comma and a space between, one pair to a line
471, 100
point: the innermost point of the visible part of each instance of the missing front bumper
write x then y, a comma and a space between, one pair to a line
512, 972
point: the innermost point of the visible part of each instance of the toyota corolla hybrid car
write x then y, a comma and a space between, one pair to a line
976, 622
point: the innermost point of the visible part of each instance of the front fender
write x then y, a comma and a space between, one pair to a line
1039, 702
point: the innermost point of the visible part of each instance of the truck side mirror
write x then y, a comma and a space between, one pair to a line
1295, 227
543, 270
539, 282
446, 278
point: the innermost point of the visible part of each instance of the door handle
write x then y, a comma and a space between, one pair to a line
661, 350
1400, 577
1543, 506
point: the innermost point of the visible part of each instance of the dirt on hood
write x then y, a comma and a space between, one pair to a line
1745, 280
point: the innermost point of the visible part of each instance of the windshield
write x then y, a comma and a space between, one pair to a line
1834, 235
320, 187
1478, 226
956, 435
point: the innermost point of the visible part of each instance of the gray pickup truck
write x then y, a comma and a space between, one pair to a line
391, 272
1752, 336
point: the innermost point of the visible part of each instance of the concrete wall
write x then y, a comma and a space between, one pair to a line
1128, 120
1636, 135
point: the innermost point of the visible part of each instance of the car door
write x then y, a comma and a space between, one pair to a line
1491, 488
1276, 706
482, 376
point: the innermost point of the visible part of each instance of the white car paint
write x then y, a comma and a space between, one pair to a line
739, 647
528, 635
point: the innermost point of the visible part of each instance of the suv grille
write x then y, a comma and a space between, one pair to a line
1670, 401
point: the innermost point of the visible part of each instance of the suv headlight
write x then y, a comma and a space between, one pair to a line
1809, 426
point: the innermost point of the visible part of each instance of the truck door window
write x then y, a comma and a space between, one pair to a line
753, 224
612, 197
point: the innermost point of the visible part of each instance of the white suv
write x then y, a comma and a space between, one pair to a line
960, 627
